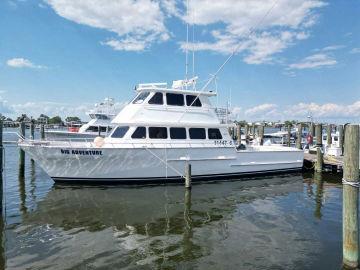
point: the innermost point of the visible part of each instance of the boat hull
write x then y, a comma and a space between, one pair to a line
132, 165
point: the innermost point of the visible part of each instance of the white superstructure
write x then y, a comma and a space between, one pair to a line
100, 123
155, 135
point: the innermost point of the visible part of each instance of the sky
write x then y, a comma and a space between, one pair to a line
292, 57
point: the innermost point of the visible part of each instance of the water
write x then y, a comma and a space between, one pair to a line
279, 222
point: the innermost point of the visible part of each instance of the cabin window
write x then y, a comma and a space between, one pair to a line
175, 99
119, 132
214, 134
336, 138
157, 98
178, 133
141, 97
197, 133
193, 101
99, 116
96, 129
139, 133
157, 132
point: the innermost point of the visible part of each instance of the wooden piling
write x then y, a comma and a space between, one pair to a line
298, 136
328, 135
1, 168
21, 152
312, 129
319, 160
318, 132
32, 133
32, 130
238, 133
42, 132
261, 134
1, 149
289, 135
188, 175
341, 138
351, 197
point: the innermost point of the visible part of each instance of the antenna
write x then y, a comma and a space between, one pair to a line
187, 44
193, 42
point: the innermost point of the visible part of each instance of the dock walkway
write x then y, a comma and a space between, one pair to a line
330, 162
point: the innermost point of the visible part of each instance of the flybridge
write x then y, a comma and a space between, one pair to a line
179, 86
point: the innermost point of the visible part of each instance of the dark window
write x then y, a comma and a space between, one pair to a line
92, 129
175, 99
101, 116
156, 99
96, 129
197, 133
178, 133
141, 97
214, 134
157, 133
193, 101
119, 132
139, 133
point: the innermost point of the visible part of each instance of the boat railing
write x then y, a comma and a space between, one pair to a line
18, 135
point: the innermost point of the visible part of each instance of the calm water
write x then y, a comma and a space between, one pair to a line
280, 222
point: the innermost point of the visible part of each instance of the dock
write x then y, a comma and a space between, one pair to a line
329, 163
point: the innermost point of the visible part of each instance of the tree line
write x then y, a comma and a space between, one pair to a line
42, 119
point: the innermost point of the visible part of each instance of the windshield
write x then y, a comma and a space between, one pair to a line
140, 98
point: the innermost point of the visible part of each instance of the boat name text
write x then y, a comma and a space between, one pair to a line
81, 152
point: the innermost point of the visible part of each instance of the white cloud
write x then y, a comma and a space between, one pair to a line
137, 24
263, 110
314, 61
299, 111
286, 23
355, 50
22, 63
4, 107
35, 108
333, 48
327, 110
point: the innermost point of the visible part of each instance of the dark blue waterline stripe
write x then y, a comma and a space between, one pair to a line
172, 178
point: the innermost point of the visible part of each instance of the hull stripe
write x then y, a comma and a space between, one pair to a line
174, 178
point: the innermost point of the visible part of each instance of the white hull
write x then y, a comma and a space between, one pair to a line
152, 164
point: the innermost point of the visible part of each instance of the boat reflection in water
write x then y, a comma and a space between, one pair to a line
240, 224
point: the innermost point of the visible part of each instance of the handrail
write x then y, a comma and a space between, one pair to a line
16, 133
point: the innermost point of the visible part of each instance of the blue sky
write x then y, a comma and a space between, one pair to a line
62, 56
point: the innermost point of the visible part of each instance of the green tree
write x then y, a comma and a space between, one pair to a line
72, 119
288, 123
56, 120
242, 122
21, 118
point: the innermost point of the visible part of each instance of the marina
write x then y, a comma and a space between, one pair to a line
292, 221
234, 141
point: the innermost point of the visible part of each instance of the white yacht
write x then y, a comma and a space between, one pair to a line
155, 135
100, 124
